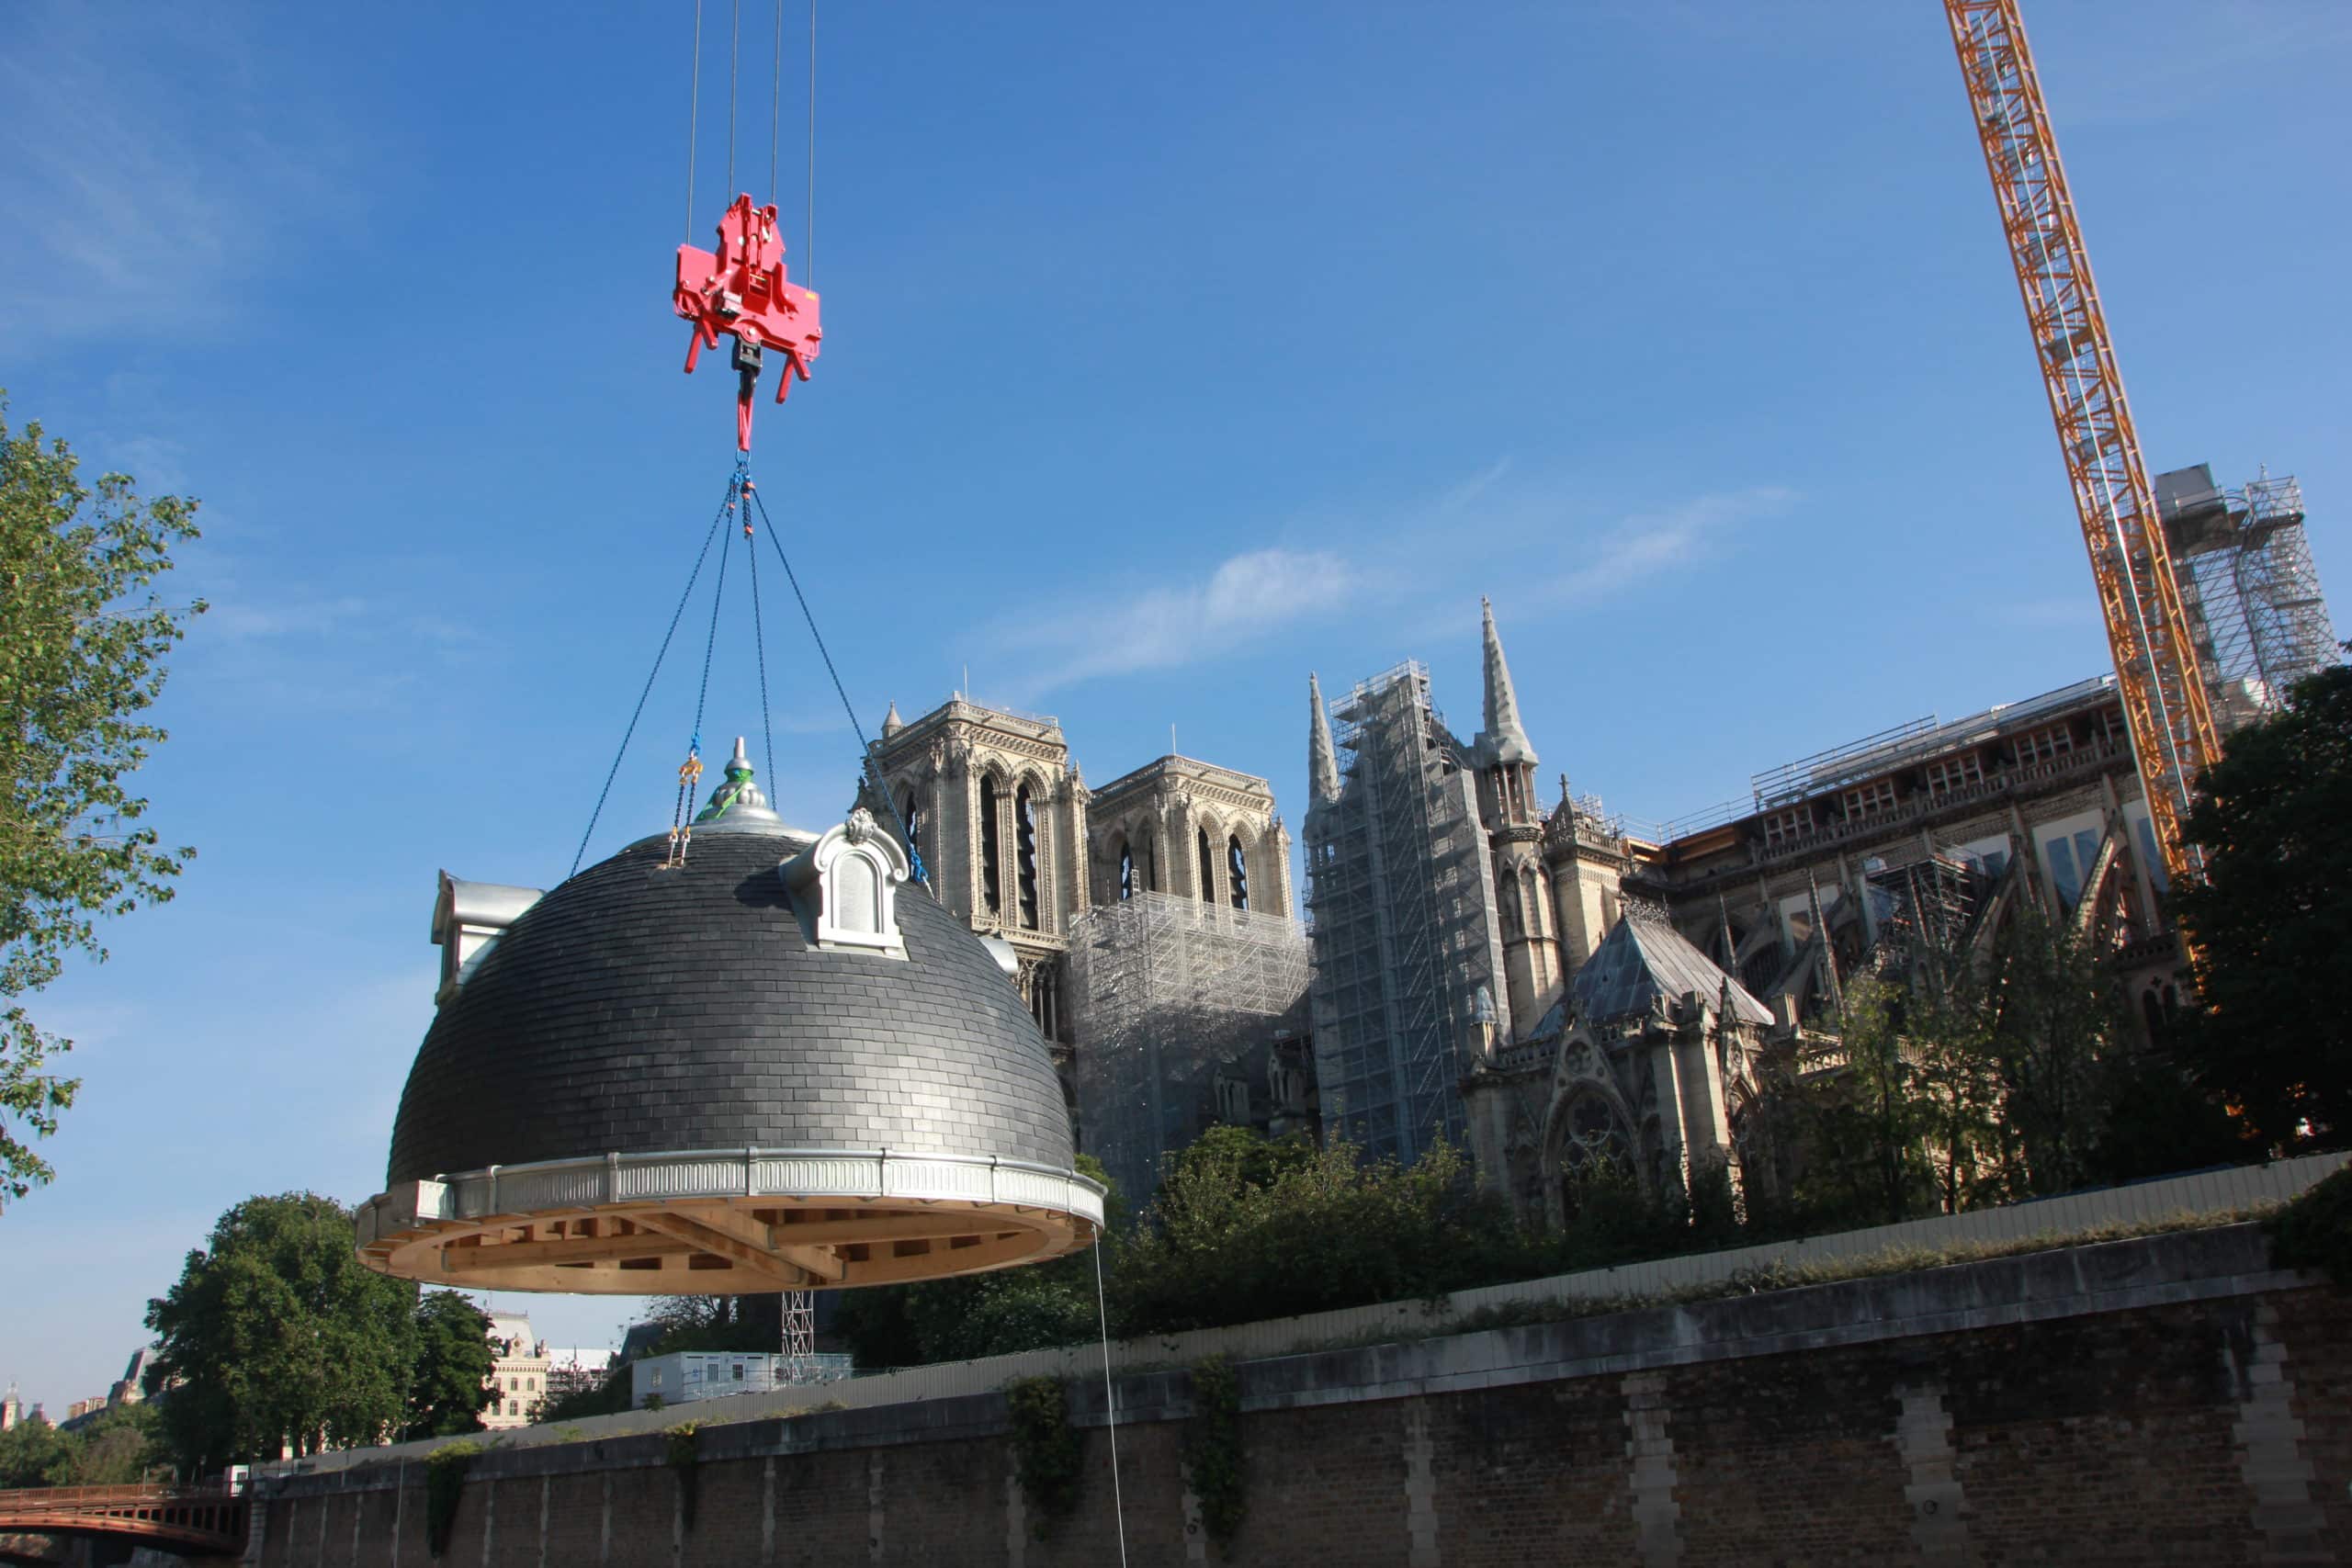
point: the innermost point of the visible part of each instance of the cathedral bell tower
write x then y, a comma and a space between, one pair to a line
1506, 760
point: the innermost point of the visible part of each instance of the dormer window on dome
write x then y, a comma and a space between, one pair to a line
845, 885
468, 919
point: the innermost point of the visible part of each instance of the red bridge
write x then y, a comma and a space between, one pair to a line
195, 1521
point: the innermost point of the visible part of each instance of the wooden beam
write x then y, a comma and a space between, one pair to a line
892, 1227
815, 1260
579, 1249
748, 1256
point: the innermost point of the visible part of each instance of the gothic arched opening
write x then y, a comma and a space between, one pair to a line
1237, 872
1208, 869
1024, 821
1595, 1151
992, 869
1126, 870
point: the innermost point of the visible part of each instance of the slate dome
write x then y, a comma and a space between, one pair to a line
776, 1065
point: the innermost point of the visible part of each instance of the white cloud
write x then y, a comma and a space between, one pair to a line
248, 621
1247, 598
1645, 544
135, 208
1543, 543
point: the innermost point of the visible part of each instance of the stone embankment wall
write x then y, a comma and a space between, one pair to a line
2167, 1399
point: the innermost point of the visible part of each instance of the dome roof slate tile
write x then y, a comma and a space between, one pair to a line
641, 1009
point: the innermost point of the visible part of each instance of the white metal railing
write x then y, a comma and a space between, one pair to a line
686, 1174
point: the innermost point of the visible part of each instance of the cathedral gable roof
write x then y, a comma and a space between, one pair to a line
1644, 958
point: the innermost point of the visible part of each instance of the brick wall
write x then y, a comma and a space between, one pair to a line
2169, 1400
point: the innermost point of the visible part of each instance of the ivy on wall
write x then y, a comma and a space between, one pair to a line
444, 1484
1213, 1454
684, 1461
1045, 1446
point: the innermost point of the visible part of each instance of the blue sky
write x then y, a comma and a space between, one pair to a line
1170, 353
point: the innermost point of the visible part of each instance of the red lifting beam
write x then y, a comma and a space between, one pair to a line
741, 291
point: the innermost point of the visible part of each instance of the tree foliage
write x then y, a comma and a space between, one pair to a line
82, 641
276, 1336
1863, 1123
448, 1387
117, 1448
2274, 919
1974, 1076
1244, 1228
34, 1453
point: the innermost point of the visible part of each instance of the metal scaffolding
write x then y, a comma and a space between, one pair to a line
1404, 934
1170, 993
2259, 619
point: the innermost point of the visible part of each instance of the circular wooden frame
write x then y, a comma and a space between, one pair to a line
738, 1222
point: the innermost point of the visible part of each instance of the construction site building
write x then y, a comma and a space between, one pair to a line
2252, 595
1188, 1014
1148, 920
1547, 983
1408, 942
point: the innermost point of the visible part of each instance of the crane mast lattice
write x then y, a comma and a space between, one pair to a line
2156, 670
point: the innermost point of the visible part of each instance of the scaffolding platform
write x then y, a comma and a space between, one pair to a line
2246, 577
1171, 994
1405, 949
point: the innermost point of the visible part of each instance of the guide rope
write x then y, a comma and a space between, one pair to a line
676, 615
1110, 1403
681, 825
873, 768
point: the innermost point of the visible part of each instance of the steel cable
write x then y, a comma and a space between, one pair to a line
676, 615
734, 73
693, 121
873, 768
760, 642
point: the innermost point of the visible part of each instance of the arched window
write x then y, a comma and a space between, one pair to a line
913, 816
1126, 870
1535, 903
1594, 1147
1507, 903
1045, 1002
1236, 866
1025, 820
1208, 869
992, 884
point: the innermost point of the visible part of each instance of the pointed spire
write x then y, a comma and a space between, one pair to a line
1506, 739
891, 722
1322, 762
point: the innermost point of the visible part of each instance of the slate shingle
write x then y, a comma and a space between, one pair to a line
636, 1010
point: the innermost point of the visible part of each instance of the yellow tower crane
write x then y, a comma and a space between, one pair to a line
2147, 627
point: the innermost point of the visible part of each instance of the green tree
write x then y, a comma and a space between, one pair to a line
2047, 1007
82, 641
608, 1397
1864, 1123
718, 1322
278, 1337
34, 1453
2274, 920
449, 1385
1242, 1229
121, 1447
